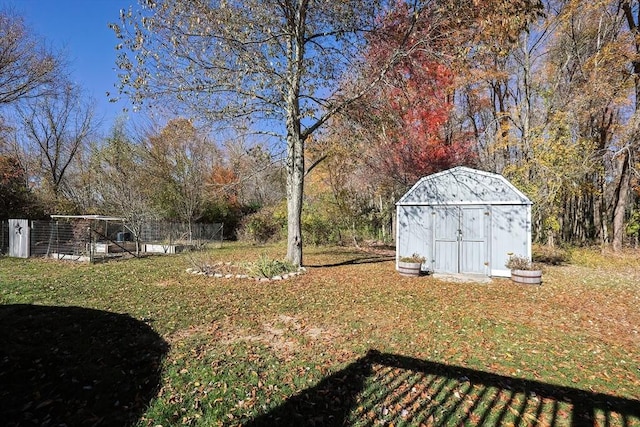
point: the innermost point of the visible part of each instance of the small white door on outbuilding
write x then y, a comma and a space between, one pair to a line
464, 221
19, 238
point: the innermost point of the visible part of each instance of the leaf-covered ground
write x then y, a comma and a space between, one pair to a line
350, 342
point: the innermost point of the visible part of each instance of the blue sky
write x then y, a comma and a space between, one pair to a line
80, 29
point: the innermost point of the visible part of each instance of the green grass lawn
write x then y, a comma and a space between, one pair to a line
350, 342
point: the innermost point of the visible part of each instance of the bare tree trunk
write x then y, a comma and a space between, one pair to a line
295, 187
621, 201
622, 192
599, 212
295, 141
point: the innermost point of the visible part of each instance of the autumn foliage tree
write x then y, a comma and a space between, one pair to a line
16, 201
276, 64
410, 125
411, 119
412, 115
122, 180
413, 106
27, 67
179, 158
577, 102
246, 179
366, 97
403, 123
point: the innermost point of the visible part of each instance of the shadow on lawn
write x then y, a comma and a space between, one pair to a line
361, 260
386, 389
75, 366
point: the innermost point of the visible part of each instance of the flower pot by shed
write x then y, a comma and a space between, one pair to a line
409, 268
527, 277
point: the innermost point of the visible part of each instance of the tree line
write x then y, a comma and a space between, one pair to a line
346, 104
54, 160
550, 100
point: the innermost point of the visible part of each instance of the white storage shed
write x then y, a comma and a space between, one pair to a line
464, 220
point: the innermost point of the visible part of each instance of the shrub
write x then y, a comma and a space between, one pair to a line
550, 255
413, 258
221, 211
261, 227
519, 262
267, 267
263, 267
318, 230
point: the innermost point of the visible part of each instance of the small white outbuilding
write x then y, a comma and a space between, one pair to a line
464, 220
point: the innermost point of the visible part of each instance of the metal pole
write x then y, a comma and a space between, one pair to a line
90, 244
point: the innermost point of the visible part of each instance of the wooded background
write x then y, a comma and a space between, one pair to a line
545, 93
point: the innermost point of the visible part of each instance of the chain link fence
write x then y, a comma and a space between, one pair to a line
179, 235
93, 238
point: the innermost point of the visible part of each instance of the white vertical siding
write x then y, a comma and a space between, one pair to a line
414, 233
510, 234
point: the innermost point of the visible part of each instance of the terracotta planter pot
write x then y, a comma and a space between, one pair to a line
409, 268
527, 277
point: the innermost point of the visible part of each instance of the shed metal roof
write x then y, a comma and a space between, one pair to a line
463, 186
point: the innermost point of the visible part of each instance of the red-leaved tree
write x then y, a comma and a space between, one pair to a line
410, 132
15, 199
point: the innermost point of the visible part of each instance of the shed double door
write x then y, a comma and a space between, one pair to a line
461, 236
